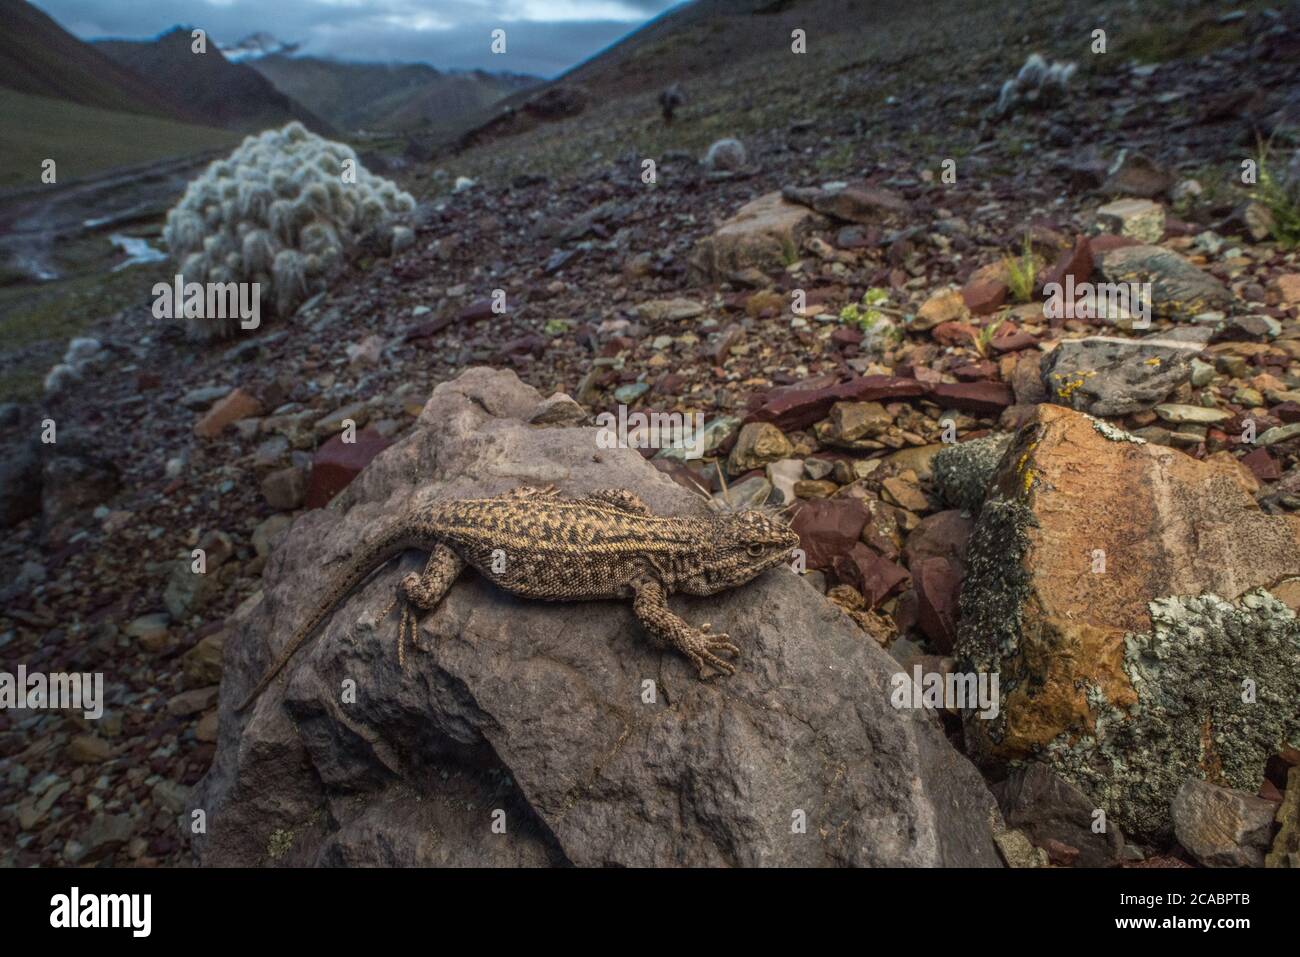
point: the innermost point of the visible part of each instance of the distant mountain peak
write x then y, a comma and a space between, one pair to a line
255, 46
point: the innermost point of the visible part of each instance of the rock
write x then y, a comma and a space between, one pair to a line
73, 481
88, 749
1090, 589
1278, 434
940, 535
105, 835
356, 413
284, 489
753, 492
794, 408
947, 305
1221, 827
192, 702
715, 436
874, 577
268, 532
1074, 264
237, 405
1287, 288
188, 591
1286, 846
814, 488
337, 463
982, 398
1027, 379
938, 584
783, 475
1178, 289
897, 491
963, 472
202, 398
1137, 175
669, 310
850, 422
1191, 414
758, 444
1110, 375
1138, 219
919, 459
21, 476
1048, 808
151, 631
201, 665
515, 702
1018, 851
829, 527
867, 205
985, 296
559, 409
765, 234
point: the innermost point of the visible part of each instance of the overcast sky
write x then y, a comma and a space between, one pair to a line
543, 37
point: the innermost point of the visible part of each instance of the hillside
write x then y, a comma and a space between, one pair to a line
385, 96
88, 140
39, 57
230, 95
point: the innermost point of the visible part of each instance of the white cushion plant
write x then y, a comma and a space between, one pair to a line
281, 212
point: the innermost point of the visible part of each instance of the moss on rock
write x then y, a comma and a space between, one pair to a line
962, 472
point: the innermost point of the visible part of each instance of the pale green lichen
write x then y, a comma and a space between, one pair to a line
1115, 433
279, 843
1196, 717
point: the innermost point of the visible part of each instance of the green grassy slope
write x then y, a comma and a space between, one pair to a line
84, 140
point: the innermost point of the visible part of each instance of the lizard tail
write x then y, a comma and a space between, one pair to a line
372, 557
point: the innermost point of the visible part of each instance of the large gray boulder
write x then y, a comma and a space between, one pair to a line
545, 712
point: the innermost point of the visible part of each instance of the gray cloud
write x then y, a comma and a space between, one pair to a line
543, 37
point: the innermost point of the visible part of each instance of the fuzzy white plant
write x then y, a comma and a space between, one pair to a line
1037, 84
278, 211
725, 155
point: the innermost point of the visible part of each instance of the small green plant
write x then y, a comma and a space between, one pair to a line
983, 338
867, 314
556, 327
1022, 271
1283, 204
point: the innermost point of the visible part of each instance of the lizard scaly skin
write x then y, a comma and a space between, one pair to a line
536, 544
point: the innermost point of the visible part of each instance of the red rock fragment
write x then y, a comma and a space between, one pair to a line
828, 527
982, 398
795, 408
984, 296
875, 577
337, 463
1262, 465
938, 584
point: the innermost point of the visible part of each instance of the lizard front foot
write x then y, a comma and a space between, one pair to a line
702, 647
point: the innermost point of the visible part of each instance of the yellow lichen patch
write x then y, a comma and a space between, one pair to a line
1153, 361
1066, 387
1023, 472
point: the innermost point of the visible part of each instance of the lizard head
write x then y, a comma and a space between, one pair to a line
740, 547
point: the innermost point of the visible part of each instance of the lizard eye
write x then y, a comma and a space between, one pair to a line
754, 550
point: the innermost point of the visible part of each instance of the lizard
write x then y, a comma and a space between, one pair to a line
535, 543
